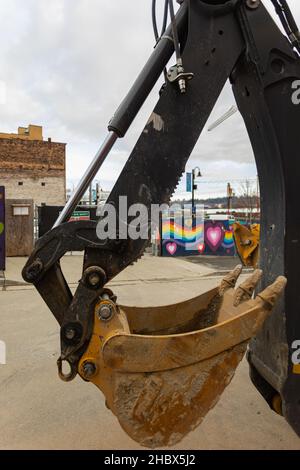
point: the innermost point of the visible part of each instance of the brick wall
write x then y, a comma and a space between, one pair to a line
48, 190
33, 169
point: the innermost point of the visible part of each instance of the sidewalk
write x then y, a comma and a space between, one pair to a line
148, 268
39, 411
164, 273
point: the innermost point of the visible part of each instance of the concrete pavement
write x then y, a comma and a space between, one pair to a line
38, 411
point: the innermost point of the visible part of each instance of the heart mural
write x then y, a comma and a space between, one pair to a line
171, 248
214, 235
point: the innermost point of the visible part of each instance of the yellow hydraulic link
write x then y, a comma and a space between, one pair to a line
247, 243
162, 369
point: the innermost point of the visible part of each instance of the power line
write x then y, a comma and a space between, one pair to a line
227, 180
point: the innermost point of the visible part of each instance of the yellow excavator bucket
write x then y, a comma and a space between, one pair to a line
162, 369
247, 243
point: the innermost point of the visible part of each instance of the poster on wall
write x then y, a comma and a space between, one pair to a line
2, 228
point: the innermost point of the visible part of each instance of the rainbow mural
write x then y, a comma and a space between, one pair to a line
207, 238
185, 234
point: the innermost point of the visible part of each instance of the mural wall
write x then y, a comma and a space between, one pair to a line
2, 228
206, 238
182, 239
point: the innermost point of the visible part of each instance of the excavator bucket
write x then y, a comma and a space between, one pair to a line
247, 243
162, 369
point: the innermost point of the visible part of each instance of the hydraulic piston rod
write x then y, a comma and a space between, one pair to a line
87, 179
128, 110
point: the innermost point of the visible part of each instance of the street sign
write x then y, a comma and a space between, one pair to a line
189, 182
80, 215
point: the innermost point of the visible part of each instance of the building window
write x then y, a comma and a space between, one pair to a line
43, 184
20, 183
21, 210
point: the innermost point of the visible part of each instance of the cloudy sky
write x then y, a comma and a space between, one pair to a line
67, 64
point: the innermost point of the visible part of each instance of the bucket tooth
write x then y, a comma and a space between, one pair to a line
270, 295
246, 289
229, 281
160, 384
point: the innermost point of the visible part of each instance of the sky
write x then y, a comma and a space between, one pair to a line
67, 64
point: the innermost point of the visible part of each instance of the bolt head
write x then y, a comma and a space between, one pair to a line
94, 279
33, 271
89, 369
70, 333
105, 312
252, 3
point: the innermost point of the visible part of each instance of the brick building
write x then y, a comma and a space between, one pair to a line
31, 168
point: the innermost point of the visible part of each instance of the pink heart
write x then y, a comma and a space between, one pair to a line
201, 247
214, 237
171, 248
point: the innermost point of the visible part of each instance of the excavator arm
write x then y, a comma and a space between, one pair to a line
162, 369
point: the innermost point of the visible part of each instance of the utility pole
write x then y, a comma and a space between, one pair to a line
91, 194
97, 193
195, 174
229, 198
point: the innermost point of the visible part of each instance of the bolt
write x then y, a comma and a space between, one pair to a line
182, 86
70, 333
252, 3
89, 369
105, 312
94, 279
105, 296
33, 271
